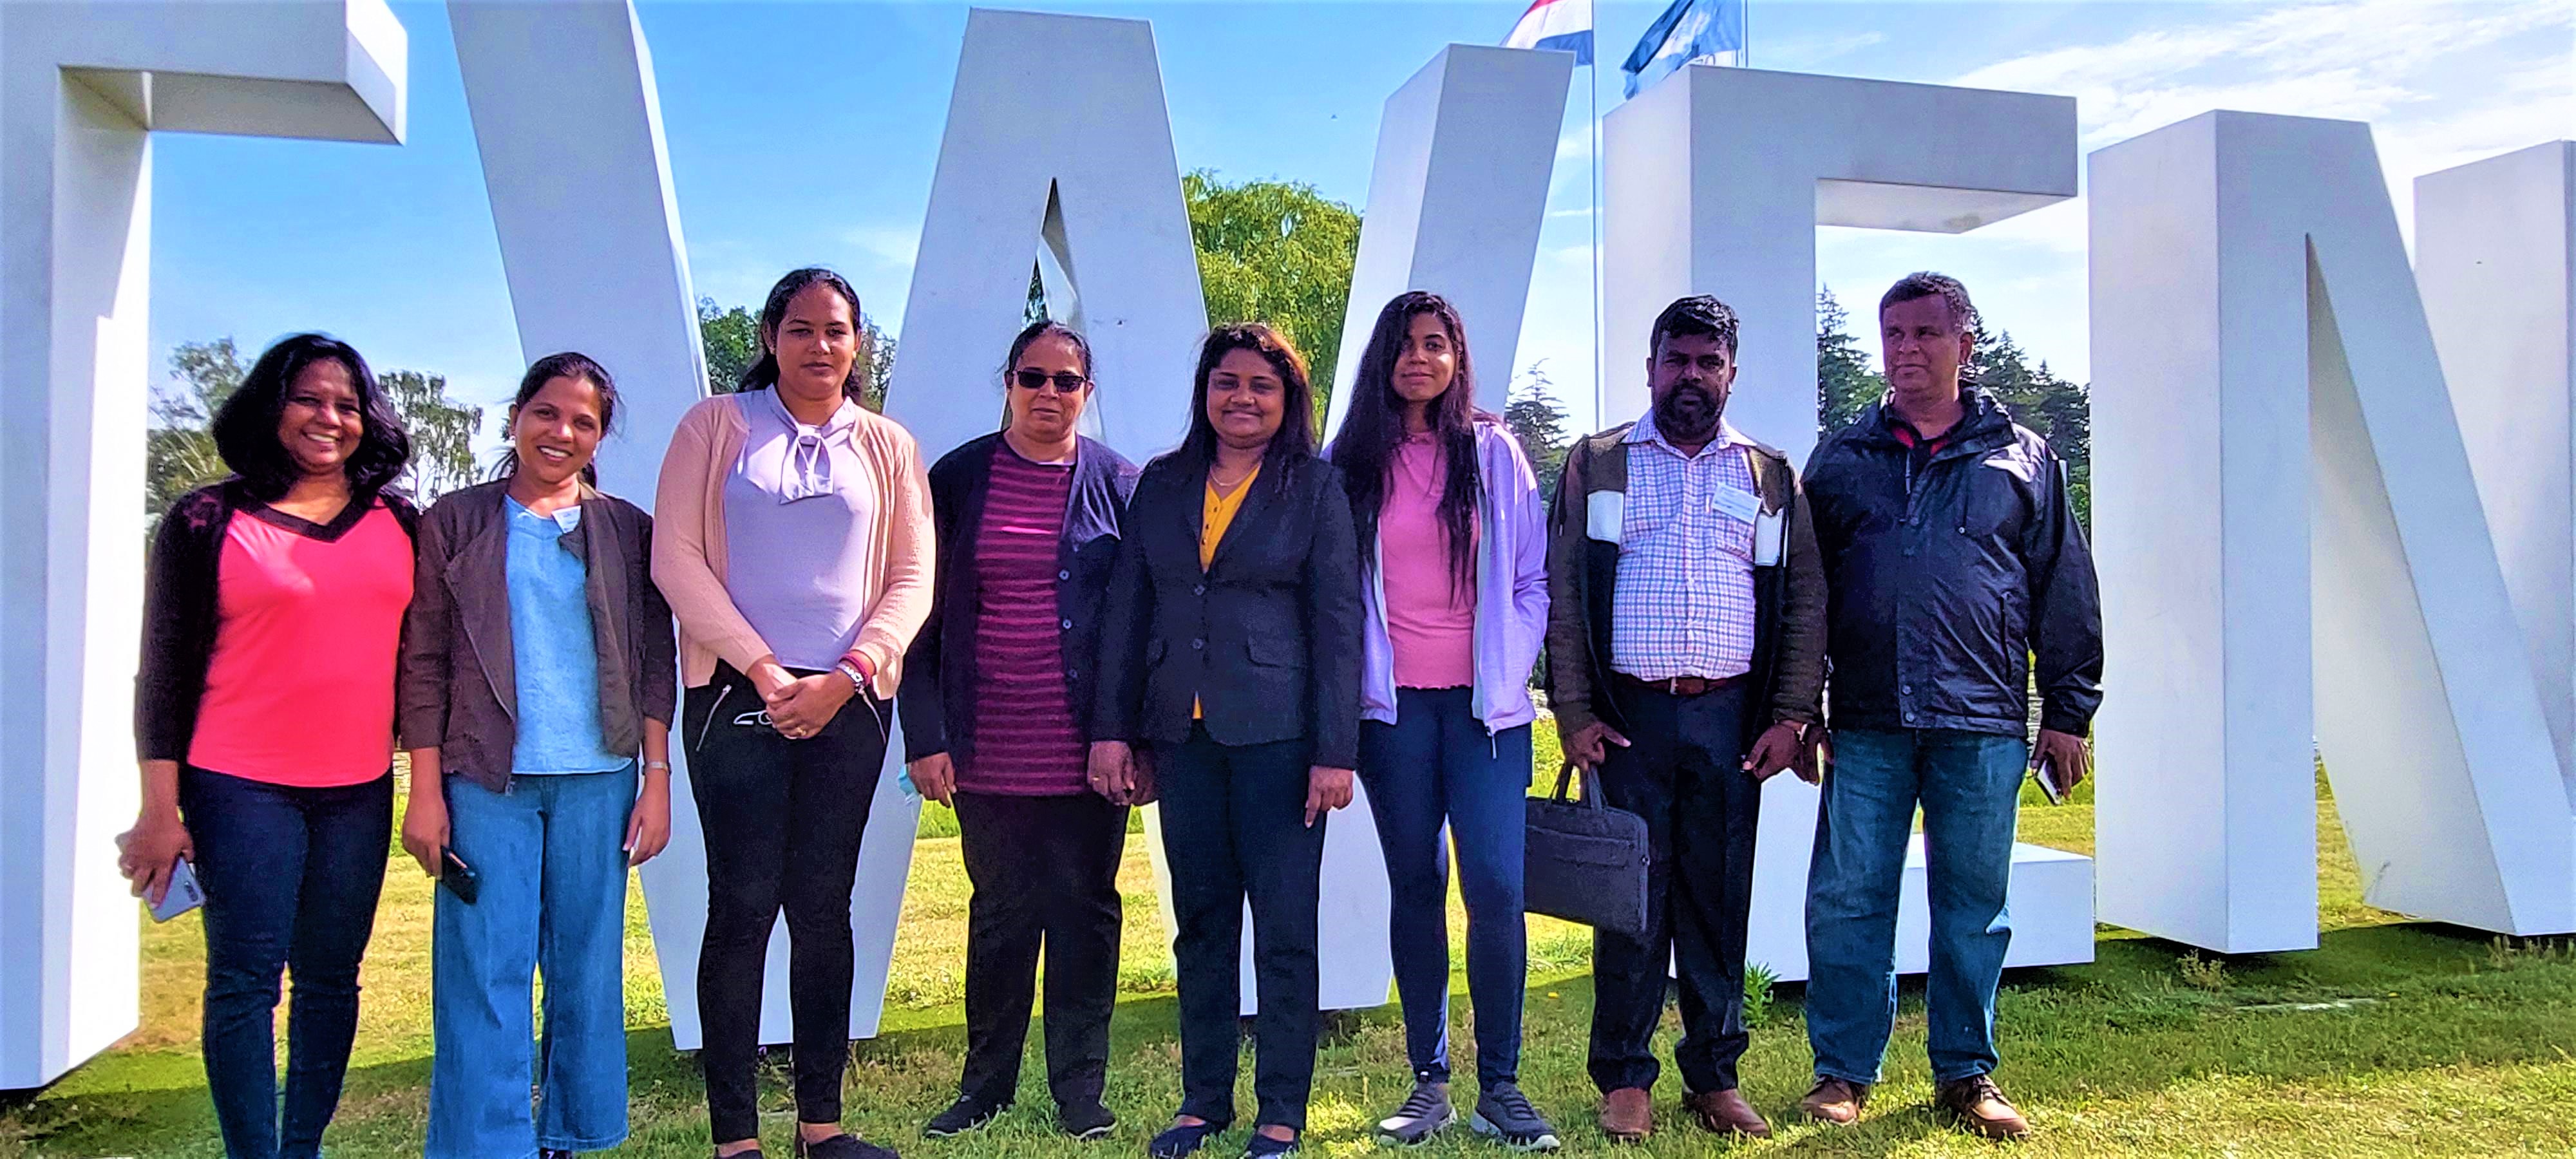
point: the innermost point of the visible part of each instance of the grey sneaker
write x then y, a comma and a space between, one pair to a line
1504, 1115
1424, 1113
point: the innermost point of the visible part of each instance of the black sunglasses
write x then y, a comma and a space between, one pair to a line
1066, 382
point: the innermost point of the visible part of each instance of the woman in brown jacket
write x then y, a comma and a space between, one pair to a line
536, 671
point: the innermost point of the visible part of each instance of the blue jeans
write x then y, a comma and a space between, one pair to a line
1969, 785
291, 878
553, 900
1435, 766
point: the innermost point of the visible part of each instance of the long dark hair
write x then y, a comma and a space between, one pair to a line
1296, 437
245, 427
763, 372
1373, 428
569, 364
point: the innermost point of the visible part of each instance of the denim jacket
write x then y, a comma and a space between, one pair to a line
1511, 593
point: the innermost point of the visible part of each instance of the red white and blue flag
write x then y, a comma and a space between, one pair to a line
1563, 25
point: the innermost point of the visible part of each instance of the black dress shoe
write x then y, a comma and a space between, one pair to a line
842, 1147
1181, 1139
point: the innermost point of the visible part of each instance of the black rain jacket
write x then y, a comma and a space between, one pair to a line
1947, 570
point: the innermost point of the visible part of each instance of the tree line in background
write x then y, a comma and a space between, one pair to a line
1276, 251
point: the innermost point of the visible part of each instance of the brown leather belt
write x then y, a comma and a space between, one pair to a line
1680, 685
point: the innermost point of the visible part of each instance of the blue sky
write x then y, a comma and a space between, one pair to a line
806, 132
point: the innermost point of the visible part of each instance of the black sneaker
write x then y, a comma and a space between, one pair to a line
966, 1114
1424, 1113
1504, 1115
1085, 1123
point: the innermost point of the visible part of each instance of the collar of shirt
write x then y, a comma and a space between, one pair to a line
1645, 432
842, 422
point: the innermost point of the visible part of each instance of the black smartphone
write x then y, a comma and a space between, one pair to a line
459, 878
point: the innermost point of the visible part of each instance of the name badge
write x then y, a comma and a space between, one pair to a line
1766, 539
1737, 504
1605, 515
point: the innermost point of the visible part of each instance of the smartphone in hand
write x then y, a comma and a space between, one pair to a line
458, 877
2046, 772
183, 895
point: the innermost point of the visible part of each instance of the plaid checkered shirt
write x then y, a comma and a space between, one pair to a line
1684, 601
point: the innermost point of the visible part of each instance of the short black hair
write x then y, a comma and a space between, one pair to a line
1698, 314
1040, 329
245, 427
1926, 284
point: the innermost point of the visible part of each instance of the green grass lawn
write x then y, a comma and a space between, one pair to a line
2392, 1039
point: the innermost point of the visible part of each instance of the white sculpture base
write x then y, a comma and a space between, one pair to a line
2050, 902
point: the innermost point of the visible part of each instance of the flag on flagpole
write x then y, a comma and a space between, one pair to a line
1564, 25
1689, 32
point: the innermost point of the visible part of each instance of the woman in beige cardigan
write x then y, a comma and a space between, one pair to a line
789, 656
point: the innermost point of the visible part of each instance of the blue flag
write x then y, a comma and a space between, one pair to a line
1690, 30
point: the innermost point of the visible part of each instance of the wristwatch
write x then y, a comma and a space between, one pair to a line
858, 678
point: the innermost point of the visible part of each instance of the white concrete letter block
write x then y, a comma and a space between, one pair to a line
1718, 179
2495, 255
570, 129
1074, 155
2251, 301
81, 87
1464, 153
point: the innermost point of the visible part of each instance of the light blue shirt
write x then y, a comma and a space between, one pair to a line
553, 651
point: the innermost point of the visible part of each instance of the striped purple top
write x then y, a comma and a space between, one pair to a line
1026, 744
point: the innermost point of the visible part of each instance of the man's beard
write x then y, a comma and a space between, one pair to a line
1688, 412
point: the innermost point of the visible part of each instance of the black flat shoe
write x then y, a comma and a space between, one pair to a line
844, 1146
1261, 1146
1085, 1123
966, 1114
1181, 1139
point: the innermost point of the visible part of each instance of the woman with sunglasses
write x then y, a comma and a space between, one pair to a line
794, 545
996, 721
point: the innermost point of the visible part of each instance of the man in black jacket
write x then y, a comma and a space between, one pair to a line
1953, 559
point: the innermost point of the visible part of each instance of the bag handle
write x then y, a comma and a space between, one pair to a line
1591, 786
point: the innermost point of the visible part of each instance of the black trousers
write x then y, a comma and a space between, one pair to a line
1234, 829
1045, 872
1683, 771
782, 820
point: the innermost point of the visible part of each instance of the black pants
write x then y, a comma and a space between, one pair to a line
1045, 872
1683, 771
1234, 828
782, 820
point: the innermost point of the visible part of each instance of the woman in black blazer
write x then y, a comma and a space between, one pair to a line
1231, 652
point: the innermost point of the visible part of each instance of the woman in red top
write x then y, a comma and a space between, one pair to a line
264, 721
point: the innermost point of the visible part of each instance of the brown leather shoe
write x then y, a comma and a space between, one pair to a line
1833, 1100
1726, 1113
1975, 1103
1628, 1115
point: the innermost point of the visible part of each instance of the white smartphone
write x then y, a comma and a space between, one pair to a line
2046, 772
183, 895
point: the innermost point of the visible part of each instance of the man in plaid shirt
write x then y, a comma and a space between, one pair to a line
1685, 657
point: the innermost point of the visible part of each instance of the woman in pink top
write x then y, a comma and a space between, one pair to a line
264, 720
1453, 551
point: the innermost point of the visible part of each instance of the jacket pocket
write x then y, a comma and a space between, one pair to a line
1269, 653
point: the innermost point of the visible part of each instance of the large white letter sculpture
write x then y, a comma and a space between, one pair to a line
2293, 545
1464, 153
82, 87
2495, 255
570, 131
1094, 182
1718, 179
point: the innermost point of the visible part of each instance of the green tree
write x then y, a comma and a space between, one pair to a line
1539, 423
441, 429
730, 335
178, 454
1845, 385
1276, 252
